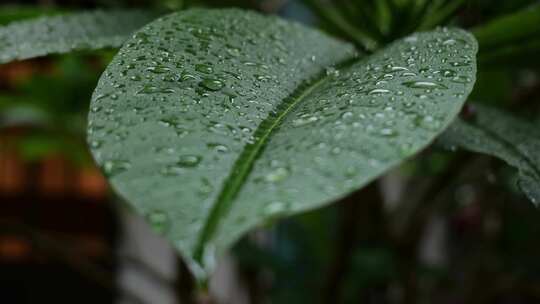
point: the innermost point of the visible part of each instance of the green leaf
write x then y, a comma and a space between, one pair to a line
10, 13
66, 33
511, 30
514, 55
211, 122
501, 135
441, 13
335, 17
513, 39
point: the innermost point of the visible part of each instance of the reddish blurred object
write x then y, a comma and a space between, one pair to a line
55, 176
17, 72
91, 183
56, 222
13, 248
12, 173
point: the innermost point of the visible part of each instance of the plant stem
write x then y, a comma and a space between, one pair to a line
356, 209
185, 283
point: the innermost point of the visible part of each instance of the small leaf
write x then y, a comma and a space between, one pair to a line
501, 135
65, 33
226, 119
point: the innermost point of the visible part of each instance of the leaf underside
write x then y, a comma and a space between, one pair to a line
501, 135
211, 122
61, 34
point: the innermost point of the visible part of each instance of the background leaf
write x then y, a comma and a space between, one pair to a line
62, 34
511, 38
512, 28
210, 122
10, 13
501, 135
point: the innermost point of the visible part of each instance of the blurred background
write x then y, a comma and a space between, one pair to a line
446, 227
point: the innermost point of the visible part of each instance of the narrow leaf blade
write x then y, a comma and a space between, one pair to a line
61, 34
510, 30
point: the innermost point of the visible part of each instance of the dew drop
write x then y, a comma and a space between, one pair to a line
218, 147
204, 68
304, 120
424, 85
114, 167
379, 92
277, 175
275, 208
159, 221
189, 161
212, 84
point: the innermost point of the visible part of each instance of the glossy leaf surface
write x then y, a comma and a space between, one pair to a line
211, 122
508, 138
61, 34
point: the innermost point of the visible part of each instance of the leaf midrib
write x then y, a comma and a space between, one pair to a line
244, 164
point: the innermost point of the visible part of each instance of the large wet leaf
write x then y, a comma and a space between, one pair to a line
211, 122
61, 34
501, 135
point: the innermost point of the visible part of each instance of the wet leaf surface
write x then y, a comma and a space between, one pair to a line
61, 34
211, 122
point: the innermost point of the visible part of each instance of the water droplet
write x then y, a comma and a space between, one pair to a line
204, 68
218, 147
347, 115
158, 69
304, 120
159, 221
274, 208
189, 161
95, 144
448, 73
461, 79
450, 41
114, 167
379, 92
148, 89
277, 175
424, 85
333, 72
388, 132
206, 188
460, 63
212, 84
